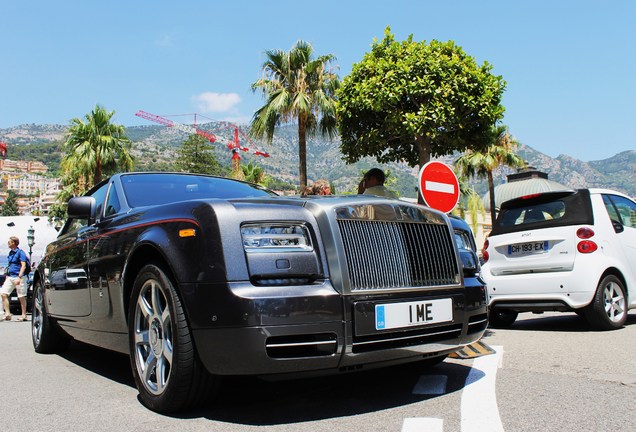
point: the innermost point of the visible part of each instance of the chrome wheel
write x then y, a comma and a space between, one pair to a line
45, 334
153, 337
614, 301
37, 317
164, 361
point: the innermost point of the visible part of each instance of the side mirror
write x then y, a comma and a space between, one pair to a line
80, 207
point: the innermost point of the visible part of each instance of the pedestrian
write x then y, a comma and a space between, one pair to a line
373, 184
16, 279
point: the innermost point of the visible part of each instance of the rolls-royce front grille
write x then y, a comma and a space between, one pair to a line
384, 254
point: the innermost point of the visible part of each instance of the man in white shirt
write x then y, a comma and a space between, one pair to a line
373, 184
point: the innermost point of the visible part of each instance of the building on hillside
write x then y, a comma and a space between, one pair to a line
48, 197
35, 193
34, 167
25, 204
28, 184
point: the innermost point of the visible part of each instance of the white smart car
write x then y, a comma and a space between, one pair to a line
570, 251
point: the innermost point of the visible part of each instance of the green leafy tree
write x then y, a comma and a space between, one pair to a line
94, 147
10, 206
253, 173
279, 184
483, 163
297, 88
196, 156
408, 101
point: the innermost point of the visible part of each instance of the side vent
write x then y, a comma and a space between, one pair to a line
299, 346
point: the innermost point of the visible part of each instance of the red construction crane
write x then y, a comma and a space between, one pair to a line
233, 145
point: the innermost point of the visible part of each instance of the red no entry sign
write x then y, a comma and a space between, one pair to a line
439, 186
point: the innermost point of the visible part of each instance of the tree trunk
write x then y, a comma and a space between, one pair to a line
302, 151
491, 189
424, 148
98, 172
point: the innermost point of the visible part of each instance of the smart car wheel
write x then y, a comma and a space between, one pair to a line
46, 337
608, 309
167, 371
501, 318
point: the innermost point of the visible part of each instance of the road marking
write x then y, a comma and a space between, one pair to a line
421, 424
431, 385
439, 187
479, 410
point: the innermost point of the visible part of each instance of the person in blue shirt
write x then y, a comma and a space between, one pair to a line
16, 279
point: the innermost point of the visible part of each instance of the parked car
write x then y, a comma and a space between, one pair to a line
569, 251
197, 277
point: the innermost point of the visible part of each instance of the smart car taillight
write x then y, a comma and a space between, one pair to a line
586, 246
584, 233
485, 255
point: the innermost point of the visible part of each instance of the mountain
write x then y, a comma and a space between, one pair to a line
154, 149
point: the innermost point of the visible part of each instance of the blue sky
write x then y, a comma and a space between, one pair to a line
569, 65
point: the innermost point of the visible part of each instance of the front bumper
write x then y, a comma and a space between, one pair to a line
240, 329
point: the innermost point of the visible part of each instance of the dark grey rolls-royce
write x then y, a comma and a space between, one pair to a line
197, 277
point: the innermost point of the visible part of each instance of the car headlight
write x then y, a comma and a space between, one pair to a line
278, 237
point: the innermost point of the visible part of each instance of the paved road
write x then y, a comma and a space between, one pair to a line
551, 373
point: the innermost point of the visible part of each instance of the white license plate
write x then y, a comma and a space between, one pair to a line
530, 248
398, 315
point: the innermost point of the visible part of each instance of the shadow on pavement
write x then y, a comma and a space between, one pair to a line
109, 364
255, 401
563, 322
252, 401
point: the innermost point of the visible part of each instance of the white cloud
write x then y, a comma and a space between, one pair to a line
210, 102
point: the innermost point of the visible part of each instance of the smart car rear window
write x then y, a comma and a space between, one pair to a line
156, 189
544, 210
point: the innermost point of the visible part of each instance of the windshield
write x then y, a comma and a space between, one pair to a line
163, 188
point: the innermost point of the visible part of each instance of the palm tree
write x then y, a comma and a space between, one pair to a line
95, 147
482, 164
472, 203
297, 88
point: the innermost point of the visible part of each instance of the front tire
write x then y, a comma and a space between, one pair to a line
165, 365
46, 337
608, 310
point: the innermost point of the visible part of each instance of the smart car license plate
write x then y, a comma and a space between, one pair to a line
530, 248
398, 315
